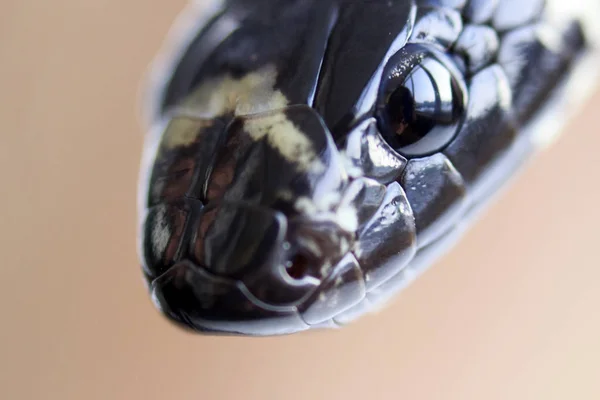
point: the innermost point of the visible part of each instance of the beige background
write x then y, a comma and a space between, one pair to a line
512, 313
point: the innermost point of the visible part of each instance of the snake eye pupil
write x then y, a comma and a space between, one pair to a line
421, 103
403, 118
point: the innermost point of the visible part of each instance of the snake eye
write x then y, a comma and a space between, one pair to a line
421, 102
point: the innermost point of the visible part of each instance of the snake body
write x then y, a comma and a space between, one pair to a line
307, 159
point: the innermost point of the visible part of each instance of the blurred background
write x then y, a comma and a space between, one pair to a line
511, 313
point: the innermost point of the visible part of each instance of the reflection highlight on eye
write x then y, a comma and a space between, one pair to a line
422, 101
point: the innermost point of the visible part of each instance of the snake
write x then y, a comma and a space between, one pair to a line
306, 160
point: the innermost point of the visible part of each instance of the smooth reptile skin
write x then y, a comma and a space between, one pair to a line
309, 158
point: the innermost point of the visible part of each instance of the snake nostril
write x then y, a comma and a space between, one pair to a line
298, 267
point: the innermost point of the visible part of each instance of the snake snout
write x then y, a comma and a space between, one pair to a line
286, 164
272, 230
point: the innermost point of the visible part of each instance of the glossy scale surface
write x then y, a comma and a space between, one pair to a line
308, 158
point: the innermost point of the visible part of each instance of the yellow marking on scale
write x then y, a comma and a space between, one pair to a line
183, 132
251, 94
286, 138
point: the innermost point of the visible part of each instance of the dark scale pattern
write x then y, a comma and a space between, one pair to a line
278, 202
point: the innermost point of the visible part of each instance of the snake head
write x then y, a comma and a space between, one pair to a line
308, 158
